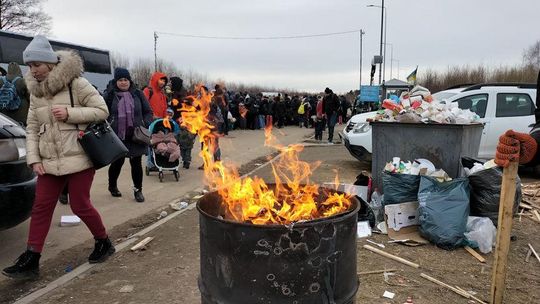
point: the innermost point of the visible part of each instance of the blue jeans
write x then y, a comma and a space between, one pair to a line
332, 120
186, 155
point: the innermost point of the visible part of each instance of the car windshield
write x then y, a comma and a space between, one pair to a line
443, 95
6, 121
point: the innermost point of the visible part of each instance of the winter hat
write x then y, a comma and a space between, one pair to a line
39, 50
328, 91
176, 84
120, 73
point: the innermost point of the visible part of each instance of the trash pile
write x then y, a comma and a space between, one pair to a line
418, 106
423, 204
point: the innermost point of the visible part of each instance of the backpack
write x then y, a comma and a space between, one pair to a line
9, 99
301, 109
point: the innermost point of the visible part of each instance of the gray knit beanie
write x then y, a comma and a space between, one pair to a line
39, 50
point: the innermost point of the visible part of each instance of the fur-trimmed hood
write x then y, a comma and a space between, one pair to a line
68, 68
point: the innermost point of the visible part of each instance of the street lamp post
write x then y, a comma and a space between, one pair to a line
362, 33
383, 30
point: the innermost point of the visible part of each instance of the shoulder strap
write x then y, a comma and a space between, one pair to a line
71, 101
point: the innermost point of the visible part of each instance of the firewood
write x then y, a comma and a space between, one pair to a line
391, 256
475, 254
142, 243
534, 252
376, 271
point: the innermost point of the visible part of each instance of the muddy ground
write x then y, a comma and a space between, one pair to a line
166, 272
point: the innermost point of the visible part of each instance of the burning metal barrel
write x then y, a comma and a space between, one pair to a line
309, 262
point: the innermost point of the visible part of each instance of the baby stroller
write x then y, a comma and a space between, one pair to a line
164, 148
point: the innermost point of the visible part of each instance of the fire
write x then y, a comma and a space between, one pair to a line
295, 198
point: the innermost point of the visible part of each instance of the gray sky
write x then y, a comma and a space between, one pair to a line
427, 33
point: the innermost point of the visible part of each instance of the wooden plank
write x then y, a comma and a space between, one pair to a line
433, 280
528, 256
391, 256
142, 243
472, 296
536, 214
504, 228
525, 206
376, 271
475, 254
534, 252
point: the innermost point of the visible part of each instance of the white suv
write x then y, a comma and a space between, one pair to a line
500, 106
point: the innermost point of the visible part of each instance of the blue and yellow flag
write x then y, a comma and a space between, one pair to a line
412, 76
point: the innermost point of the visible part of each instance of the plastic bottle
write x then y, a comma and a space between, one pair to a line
376, 206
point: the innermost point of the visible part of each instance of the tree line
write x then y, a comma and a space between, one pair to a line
526, 72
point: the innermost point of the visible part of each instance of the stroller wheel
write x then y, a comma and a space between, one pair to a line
176, 175
147, 171
160, 176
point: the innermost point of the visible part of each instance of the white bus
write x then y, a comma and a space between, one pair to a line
97, 63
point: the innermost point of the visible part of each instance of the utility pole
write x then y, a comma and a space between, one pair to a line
381, 47
384, 52
362, 33
155, 51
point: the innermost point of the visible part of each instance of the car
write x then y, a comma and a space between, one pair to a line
17, 180
501, 106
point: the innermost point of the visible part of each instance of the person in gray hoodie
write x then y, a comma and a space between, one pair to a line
14, 75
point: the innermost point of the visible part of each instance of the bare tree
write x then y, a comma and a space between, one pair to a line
25, 16
119, 60
531, 55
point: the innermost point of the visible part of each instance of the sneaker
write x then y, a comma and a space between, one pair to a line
103, 248
63, 199
115, 192
26, 266
139, 197
201, 167
330, 143
186, 165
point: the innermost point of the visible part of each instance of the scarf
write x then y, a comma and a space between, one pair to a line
126, 107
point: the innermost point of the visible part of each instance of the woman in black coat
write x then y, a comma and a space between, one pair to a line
128, 109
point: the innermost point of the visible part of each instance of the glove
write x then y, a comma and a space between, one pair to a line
514, 146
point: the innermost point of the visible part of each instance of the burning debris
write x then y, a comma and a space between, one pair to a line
294, 198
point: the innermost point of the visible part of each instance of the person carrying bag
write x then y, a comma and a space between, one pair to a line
53, 149
130, 114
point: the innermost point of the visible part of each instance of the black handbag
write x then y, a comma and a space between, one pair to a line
100, 142
141, 135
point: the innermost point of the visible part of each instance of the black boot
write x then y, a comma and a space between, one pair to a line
139, 197
114, 191
103, 248
26, 266
63, 199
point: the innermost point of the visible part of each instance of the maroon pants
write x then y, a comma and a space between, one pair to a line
48, 190
268, 120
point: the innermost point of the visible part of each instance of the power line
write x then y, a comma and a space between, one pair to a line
258, 38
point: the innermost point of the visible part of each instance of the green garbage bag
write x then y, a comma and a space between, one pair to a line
400, 188
443, 211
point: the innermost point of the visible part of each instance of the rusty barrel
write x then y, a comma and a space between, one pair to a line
309, 262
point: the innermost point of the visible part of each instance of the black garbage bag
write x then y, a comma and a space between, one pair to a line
486, 191
443, 211
400, 188
366, 213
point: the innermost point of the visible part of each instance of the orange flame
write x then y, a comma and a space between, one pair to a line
294, 198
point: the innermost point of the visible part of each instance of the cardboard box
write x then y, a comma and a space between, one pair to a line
402, 222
